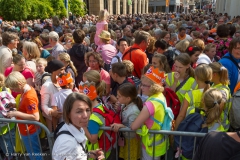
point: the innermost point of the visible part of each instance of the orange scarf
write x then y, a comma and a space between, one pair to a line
181, 38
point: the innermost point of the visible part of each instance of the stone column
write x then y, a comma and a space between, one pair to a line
117, 6
135, 6
110, 7
146, 3
139, 6
143, 6
124, 6
130, 9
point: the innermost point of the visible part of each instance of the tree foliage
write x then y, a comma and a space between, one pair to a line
77, 7
33, 9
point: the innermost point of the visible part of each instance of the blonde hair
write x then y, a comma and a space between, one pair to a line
151, 48
203, 73
32, 50
66, 58
154, 88
14, 79
162, 59
41, 61
209, 46
182, 45
94, 76
2, 79
129, 67
199, 43
103, 15
222, 71
212, 100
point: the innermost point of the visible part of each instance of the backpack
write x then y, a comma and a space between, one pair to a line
108, 136
167, 122
134, 80
192, 123
172, 101
234, 115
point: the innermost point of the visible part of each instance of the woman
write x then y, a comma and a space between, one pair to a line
182, 79
31, 53
107, 50
95, 62
19, 64
193, 52
223, 41
44, 53
76, 113
153, 111
165, 36
48, 89
28, 110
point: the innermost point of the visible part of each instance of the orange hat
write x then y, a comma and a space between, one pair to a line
65, 79
88, 89
155, 75
24, 30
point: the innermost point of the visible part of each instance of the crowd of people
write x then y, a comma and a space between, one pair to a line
71, 70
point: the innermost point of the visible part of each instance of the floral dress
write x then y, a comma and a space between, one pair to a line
222, 45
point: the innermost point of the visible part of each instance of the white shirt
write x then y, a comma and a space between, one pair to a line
47, 91
203, 59
115, 59
59, 98
5, 58
68, 147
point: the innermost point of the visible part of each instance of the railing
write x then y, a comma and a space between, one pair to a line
50, 138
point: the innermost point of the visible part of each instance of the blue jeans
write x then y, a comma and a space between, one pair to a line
35, 150
7, 141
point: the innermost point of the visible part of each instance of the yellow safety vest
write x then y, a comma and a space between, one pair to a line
101, 121
4, 128
194, 98
224, 115
147, 138
189, 85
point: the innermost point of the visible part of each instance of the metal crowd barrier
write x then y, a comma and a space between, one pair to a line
20, 156
154, 132
51, 140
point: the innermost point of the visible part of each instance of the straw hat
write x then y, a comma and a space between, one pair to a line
105, 35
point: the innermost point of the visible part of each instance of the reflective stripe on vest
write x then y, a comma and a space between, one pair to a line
224, 115
160, 140
191, 84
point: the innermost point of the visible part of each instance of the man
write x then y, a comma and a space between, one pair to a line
44, 38
121, 46
136, 53
77, 53
118, 33
9, 41
57, 47
231, 61
182, 35
127, 34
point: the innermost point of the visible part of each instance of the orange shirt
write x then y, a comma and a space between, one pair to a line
138, 58
29, 105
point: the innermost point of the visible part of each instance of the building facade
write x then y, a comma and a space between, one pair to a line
228, 6
117, 6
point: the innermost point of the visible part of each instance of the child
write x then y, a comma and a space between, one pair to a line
65, 81
101, 25
220, 81
193, 52
7, 132
69, 67
131, 106
160, 61
192, 100
213, 104
40, 76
